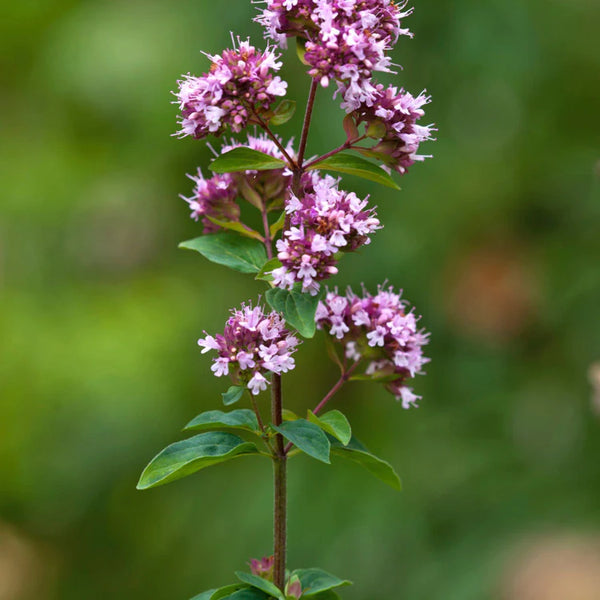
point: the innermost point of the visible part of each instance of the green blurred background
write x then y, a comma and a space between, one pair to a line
495, 240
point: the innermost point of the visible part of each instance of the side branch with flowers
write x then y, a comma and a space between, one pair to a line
307, 224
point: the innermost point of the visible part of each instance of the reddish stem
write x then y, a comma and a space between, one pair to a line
306, 125
280, 488
345, 146
331, 393
291, 163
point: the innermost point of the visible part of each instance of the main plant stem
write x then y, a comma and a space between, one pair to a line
280, 451
280, 488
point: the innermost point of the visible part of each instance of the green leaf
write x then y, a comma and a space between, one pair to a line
306, 436
226, 591
278, 225
301, 49
245, 159
334, 423
283, 112
357, 453
233, 394
247, 594
379, 377
316, 581
188, 456
242, 418
297, 308
218, 594
260, 583
376, 129
354, 165
204, 595
386, 159
264, 274
237, 227
289, 415
238, 253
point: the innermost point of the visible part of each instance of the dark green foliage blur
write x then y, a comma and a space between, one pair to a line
496, 241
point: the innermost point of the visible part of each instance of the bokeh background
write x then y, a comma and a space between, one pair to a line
496, 242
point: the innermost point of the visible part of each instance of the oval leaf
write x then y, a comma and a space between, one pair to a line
238, 227
289, 415
245, 159
188, 456
334, 423
354, 165
278, 225
265, 273
306, 436
226, 591
239, 253
233, 394
260, 583
315, 581
283, 112
219, 593
357, 453
247, 594
297, 308
204, 595
242, 418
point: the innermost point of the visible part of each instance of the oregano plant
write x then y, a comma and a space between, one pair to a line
306, 224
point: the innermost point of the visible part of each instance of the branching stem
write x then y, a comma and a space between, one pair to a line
347, 145
291, 162
310, 104
331, 393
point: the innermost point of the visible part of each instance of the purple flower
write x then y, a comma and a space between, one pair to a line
213, 198
345, 40
263, 567
323, 222
253, 344
239, 84
380, 331
396, 113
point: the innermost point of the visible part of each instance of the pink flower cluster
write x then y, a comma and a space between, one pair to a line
345, 40
240, 82
323, 222
263, 567
253, 344
379, 330
215, 198
398, 112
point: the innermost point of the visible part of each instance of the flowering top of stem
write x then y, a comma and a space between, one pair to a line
239, 84
345, 40
253, 344
322, 222
215, 198
395, 113
270, 188
381, 331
